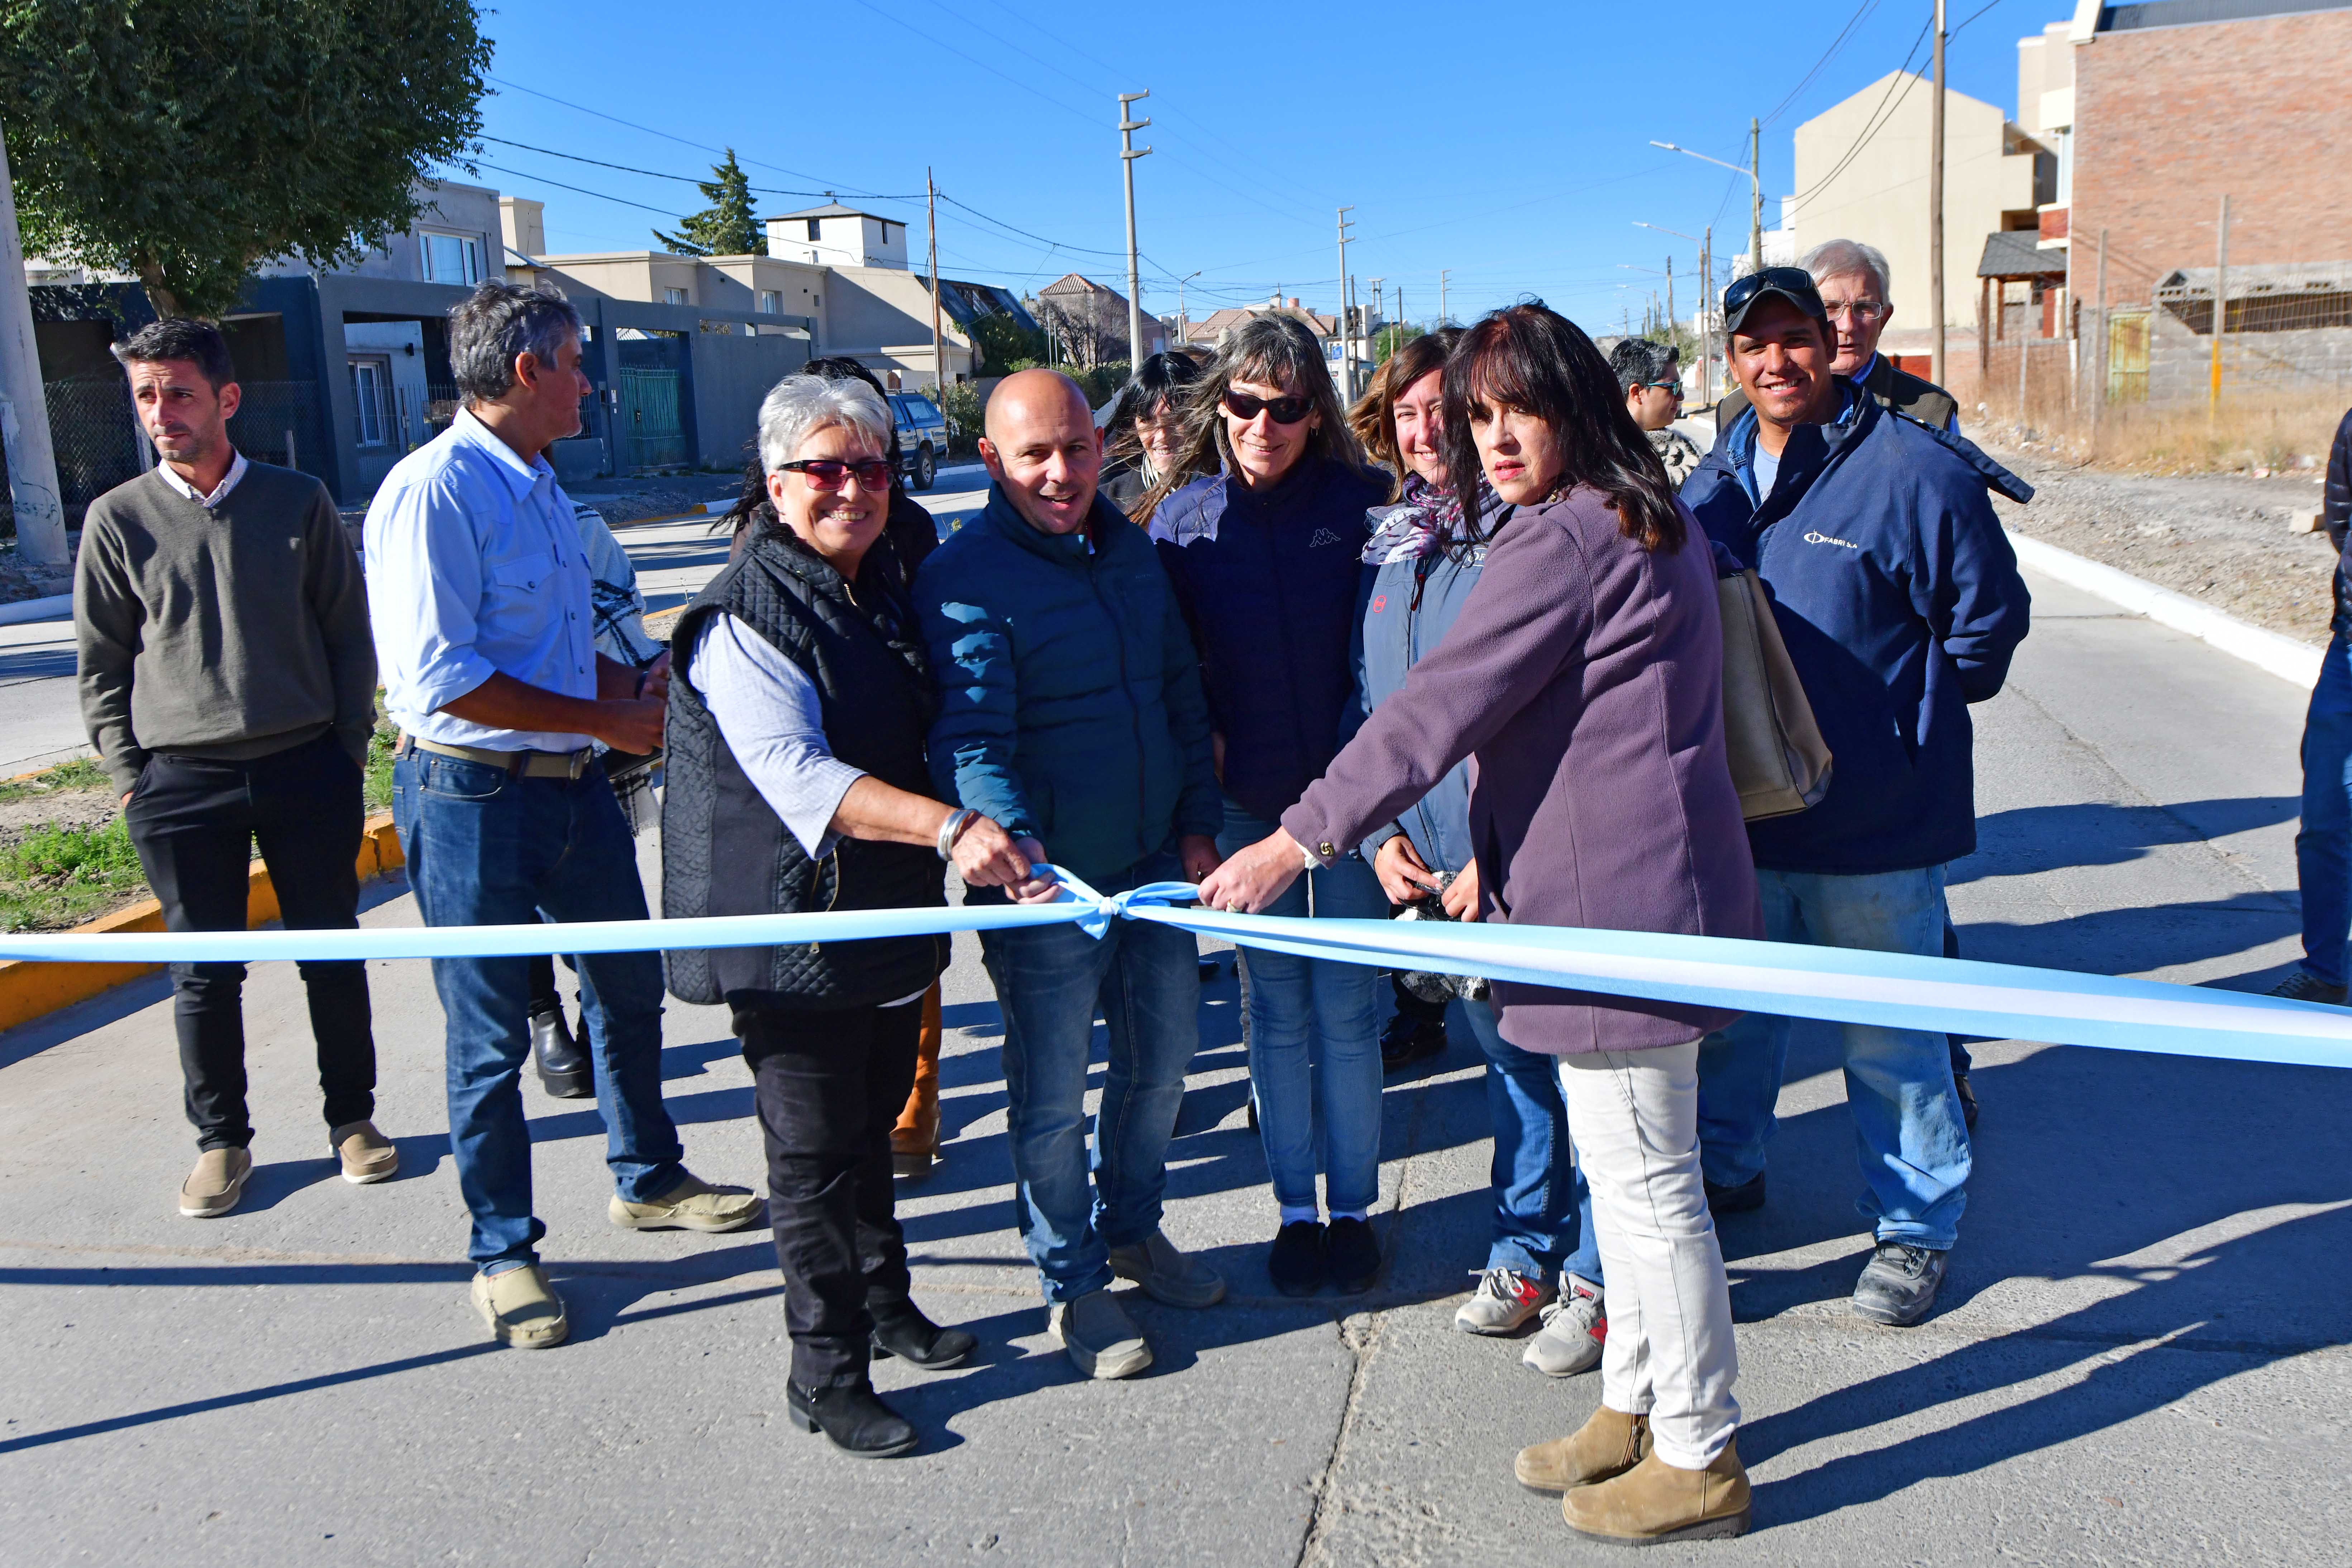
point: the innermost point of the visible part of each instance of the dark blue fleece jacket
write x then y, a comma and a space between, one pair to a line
1268, 581
1069, 697
1898, 596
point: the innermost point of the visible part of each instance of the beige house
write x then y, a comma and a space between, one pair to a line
1854, 183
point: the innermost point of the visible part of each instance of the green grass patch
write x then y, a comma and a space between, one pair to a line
82, 773
56, 877
375, 794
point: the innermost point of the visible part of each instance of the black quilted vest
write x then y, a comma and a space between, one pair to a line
724, 849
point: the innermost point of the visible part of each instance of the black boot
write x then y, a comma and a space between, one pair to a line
563, 1066
902, 1331
853, 1420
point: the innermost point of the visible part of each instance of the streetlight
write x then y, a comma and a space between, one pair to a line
1755, 181
1706, 299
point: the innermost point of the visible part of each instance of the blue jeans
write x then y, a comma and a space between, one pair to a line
1543, 1213
1050, 981
487, 849
2323, 846
1293, 999
1907, 1127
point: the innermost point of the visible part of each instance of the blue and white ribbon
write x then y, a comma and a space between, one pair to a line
1896, 990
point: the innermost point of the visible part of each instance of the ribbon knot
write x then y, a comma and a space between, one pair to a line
1109, 907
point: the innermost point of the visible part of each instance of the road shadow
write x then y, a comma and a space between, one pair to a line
2036, 838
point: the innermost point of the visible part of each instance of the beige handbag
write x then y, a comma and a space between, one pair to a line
1778, 762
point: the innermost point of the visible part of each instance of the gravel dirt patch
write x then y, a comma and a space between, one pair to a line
2222, 539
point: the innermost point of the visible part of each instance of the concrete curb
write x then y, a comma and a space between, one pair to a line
55, 608
30, 990
2290, 660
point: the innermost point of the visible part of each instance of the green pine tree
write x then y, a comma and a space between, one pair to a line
728, 227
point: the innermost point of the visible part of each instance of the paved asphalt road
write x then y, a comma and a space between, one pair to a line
2141, 1356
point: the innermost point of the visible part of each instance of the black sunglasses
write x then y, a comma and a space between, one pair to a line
829, 473
1788, 279
1287, 410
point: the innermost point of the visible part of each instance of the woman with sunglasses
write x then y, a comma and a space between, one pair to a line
1422, 562
1263, 553
797, 781
1585, 674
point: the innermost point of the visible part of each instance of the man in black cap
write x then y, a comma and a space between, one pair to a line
1899, 600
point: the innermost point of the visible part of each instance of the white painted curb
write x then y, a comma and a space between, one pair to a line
2281, 655
55, 608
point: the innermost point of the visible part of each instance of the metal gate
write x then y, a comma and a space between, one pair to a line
2127, 356
649, 420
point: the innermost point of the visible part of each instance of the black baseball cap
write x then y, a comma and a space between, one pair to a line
1793, 284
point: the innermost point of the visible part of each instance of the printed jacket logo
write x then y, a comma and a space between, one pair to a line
1321, 537
1818, 537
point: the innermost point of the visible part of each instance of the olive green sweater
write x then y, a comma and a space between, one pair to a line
229, 633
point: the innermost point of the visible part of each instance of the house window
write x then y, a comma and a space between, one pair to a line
674, 297
813, 233
451, 257
371, 390
772, 303
885, 234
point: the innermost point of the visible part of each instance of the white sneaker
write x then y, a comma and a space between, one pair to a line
1575, 1327
1505, 1299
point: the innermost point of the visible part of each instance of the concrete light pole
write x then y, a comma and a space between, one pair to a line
1442, 317
1371, 341
1184, 323
1347, 367
1128, 155
1755, 172
939, 361
24, 413
1936, 214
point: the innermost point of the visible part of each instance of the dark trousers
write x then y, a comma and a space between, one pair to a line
194, 824
829, 1087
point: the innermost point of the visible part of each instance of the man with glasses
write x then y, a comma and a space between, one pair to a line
1851, 279
1651, 378
1899, 599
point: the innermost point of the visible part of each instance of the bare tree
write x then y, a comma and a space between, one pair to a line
1088, 330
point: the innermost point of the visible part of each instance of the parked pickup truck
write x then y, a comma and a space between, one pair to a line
922, 437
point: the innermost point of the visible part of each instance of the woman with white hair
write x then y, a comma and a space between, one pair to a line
799, 705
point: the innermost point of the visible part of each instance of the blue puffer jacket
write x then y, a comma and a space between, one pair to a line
1268, 581
1070, 699
1408, 606
1898, 596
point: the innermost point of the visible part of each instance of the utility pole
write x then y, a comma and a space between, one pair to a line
1126, 157
1347, 367
1755, 191
939, 361
1184, 323
2220, 298
1442, 317
2099, 367
1936, 214
1670, 295
1372, 341
23, 412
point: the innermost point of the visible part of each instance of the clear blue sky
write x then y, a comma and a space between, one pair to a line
1506, 141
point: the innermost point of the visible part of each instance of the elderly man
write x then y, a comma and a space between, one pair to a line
229, 683
1899, 599
1071, 711
1851, 279
486, 632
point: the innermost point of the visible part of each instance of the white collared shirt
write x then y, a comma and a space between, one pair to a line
473, 568
237, 467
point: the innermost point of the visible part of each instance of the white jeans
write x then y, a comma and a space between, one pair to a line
1670, 1353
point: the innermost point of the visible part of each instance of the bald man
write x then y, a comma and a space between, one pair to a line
1071, 712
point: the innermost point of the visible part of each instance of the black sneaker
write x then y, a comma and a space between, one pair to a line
1296, 1262
1408, 1039
2303, 985
1351, 1255
1898, 1284
1748, 1195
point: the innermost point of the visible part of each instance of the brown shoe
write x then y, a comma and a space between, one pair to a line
915, 1141
1608, 1444
1654, 1502
521, 1309
216, 1184
367, 1155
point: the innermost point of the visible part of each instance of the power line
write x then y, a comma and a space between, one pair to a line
1972, 15
583, 190
1880, 116
1844, 33
666, 136
682, 179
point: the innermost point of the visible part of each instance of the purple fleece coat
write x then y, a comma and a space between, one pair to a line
1585, 676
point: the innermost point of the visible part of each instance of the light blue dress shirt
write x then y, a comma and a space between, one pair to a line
473, 568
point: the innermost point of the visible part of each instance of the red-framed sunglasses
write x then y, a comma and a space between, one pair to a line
830, 473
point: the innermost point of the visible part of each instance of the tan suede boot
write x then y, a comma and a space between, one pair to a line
1656, 1501
915, 1141
1608, 1444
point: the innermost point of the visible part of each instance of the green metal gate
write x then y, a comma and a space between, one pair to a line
651, 433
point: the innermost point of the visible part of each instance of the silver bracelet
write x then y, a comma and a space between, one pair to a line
952, 829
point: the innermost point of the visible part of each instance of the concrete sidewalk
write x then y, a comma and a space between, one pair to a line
2141, 1356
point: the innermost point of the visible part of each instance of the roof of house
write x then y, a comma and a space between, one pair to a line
1221, 321
2126, 19
831, 209
1071, 282
2017, 253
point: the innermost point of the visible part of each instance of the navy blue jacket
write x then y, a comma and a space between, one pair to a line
1268, 580
1898, 596
1069, 695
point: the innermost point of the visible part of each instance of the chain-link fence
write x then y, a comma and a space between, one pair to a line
99, 444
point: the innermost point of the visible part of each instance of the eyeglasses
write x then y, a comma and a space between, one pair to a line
1793, 279
1286, 410
1674, 386
1860, 310
828, 473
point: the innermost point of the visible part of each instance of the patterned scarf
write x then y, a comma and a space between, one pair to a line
1419, 525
